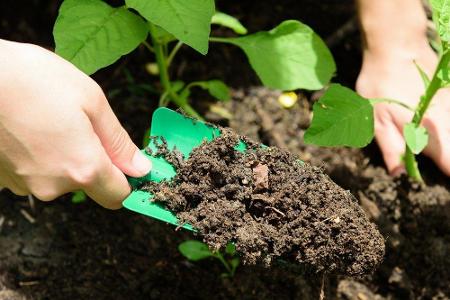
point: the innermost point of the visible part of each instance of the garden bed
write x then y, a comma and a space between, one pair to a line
60, 250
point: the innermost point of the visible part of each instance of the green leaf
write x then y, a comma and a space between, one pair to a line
163, 36
290, 56
194, 250
230, 249
184, 95
228, 21
423, 75
189, 21
177, 85
441, 17
416, 137
92, 35
218, 89
78, 197
341, 118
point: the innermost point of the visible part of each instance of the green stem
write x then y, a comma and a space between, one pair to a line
148, 46
435, 84
164, 76
174, 52
374, 101
220, 40
224, 262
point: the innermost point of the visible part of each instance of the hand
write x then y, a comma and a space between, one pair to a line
392, 74
57, 131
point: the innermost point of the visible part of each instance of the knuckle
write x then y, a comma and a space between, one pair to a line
96, 91
18, 191
93, 94
86, 167
85, 175
15, 186
383, 117
45, 194
112, 205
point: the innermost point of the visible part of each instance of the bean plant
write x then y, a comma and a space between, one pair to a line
92, 35
343, 118
195, 250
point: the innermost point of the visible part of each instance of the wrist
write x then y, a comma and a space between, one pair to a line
392, 26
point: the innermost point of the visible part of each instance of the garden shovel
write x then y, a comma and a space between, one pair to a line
181, 132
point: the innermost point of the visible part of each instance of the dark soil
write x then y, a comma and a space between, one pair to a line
86, 252
271, 205
414, 218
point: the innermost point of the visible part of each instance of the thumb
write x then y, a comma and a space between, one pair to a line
392, 145
124, 154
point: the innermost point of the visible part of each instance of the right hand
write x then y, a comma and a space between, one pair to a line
57, 131
393, 75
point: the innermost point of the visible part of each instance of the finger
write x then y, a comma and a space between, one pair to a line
392, 145
118, 145
443, 158
105, 183
17, 190
438, 148
14, 186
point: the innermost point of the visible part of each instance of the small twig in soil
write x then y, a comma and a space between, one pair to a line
277, 211
32, 203
27, 216
28, 283
180, 226
322, 288
2, 221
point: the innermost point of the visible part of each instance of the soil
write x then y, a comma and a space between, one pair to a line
67, 251
414, 218
271, 205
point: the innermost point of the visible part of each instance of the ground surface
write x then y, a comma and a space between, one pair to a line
85, 252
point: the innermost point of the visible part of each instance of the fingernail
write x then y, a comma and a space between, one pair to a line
398, 171
141, 163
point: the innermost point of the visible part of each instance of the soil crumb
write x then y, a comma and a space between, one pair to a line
271, 205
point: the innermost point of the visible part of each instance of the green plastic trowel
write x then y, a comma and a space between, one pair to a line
181, 132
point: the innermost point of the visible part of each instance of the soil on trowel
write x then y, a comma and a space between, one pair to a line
271, 205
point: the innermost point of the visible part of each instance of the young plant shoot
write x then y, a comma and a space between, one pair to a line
343, 118
92, 35
195, 250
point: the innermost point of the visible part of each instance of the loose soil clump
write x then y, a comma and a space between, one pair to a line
271, 205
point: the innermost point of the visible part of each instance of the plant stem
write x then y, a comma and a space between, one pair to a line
164, 76
374, 101
220, 39
148, 46
224, 262
174, 52
435, 84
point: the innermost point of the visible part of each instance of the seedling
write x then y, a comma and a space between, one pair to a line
195, 250
343, 118
92, 35
78, 197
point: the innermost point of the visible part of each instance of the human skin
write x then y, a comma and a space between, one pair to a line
57, 131
394, 33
